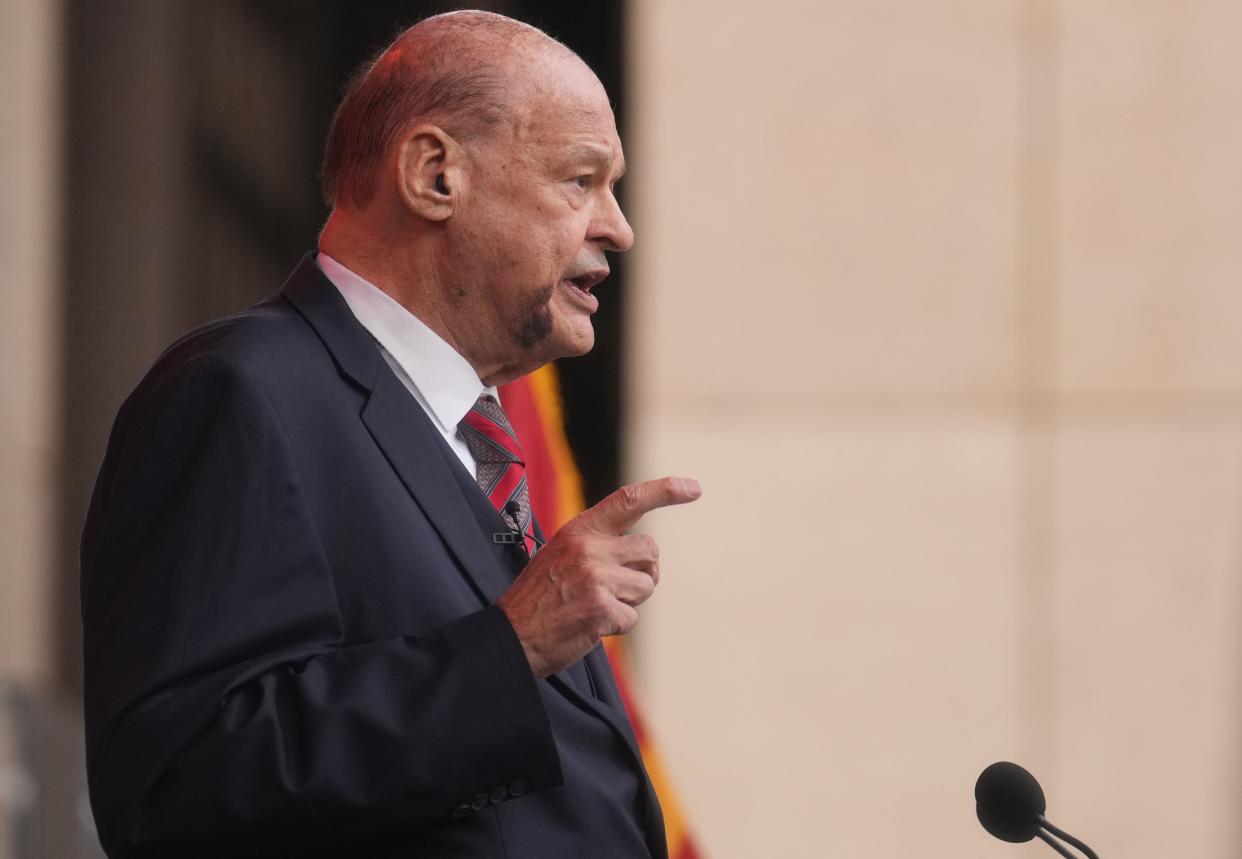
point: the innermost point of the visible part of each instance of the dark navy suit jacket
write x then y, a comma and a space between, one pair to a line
291, 642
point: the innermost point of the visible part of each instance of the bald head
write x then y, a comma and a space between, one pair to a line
467, 72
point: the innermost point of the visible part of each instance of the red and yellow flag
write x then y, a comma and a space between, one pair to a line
533, 404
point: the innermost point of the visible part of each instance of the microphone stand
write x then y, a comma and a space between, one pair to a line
1054, 844
1062, 834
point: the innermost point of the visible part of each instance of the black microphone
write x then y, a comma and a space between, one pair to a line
515, 536
514, 510
1011, 805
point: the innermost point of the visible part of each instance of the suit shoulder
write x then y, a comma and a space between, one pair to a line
267, 347
251, 339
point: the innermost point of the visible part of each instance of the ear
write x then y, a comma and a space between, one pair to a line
429, 172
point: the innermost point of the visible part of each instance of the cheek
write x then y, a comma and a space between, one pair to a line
548, 256
534, 249
567, 238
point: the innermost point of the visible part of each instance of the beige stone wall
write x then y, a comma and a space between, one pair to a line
942, 302
28, 373
29, 75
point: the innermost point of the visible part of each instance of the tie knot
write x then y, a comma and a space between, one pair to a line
488, 433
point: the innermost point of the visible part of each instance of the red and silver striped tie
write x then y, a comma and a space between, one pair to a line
501, 467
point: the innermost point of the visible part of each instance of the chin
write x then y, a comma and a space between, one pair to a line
575, 344
572, 334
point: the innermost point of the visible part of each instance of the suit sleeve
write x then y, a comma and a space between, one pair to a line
221, 705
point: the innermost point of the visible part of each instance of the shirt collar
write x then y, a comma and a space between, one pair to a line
448, 384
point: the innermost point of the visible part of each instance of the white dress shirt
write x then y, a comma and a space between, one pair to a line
441, 380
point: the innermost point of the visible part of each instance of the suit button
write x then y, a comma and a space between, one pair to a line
518, 786
480, 802
461, 810
500, 794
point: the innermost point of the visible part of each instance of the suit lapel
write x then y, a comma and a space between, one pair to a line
399, 426
350, 345
405, 434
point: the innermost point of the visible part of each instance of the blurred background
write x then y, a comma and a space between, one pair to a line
941, 300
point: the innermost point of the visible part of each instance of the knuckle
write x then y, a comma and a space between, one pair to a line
602, 598
646, 586
629, 497
650, 546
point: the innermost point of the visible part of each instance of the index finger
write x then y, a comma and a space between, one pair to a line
621, 510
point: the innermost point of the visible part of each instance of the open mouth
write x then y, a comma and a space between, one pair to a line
579, 287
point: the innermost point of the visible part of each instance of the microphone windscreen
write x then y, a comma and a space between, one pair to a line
1008, 800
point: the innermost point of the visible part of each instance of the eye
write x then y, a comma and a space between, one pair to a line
583, 181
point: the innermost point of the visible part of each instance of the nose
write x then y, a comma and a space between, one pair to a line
611, 228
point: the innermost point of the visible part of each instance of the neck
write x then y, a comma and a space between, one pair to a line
412, 280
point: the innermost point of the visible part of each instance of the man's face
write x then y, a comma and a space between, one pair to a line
533, 231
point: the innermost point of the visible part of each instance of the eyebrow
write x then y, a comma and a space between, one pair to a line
597, 154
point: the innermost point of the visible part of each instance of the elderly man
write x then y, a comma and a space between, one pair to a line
319, 616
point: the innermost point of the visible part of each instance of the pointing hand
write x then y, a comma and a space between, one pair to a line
590, 577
